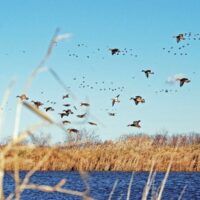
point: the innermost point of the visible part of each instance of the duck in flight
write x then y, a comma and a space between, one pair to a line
23, 97
81, 116
179, 37
183, 81
115, 51
37, 104
68, 111
72, 130
115, 100
92, 123
147, 72
65, 96
63, 114
112, 114
49, 109
85, 104
67, 105
66, 122
138, 99
135, 124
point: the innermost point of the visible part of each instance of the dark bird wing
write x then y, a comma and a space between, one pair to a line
136, 102
47, 109
113, 102
181, 83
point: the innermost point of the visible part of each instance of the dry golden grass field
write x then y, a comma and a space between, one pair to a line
134, 153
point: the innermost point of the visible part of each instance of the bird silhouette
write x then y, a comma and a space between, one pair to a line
72, 130
138, 99
147, 72
63, 114
112, 114
66, 122
49, 109
183, 81
37, 104
67, 105
23, 97
115, 100
81, 116
135, 124
84, 104
65, 96
179, 37
92, 123
115, 51
68, 112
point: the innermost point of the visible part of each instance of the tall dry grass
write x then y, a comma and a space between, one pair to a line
132, 154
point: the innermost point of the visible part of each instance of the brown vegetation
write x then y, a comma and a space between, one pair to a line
129, 153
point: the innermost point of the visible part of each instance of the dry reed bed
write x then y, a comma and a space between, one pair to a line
119, 156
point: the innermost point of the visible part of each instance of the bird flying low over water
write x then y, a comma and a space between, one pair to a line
115, 51
135, 124
183, 80
23, 97
85, 104
37, 103
72, 130
147, 72
92, 123
179, 37
138, 99
49, 109
115, 100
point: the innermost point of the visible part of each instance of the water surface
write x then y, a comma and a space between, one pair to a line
101, 184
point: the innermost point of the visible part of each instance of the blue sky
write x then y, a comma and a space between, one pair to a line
145, 26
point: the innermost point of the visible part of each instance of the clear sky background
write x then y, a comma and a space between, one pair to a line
26, 27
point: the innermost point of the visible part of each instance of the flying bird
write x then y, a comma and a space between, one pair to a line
92, 123
66, 105
66, 122
138, 99
115, 100
72, 130
37, 103
183, 80
65, 96
81, 116
115, 51
68, 111
135, 124
23, 97
179, 37
49, 109
63, 114
112, 114
147, 72
85, 104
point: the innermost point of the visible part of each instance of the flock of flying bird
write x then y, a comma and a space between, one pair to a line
116, 51
181, 49
67, 107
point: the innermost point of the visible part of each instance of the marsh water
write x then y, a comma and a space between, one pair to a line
101, 184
